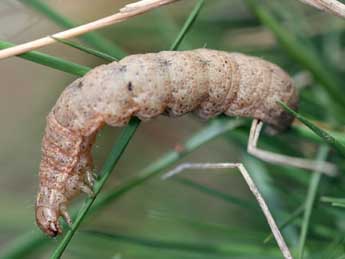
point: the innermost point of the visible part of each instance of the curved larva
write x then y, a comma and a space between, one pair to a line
208, 82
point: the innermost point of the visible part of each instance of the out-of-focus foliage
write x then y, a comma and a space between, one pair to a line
199, 215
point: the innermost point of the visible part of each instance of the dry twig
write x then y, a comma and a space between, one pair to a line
266, 211
331, 6
125, 13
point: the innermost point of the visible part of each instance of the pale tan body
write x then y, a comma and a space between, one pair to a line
208, 82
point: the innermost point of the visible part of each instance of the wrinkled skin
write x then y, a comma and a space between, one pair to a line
206, 81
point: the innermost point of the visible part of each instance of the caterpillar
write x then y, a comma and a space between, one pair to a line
208, 82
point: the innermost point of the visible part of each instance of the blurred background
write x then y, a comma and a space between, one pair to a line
199, 214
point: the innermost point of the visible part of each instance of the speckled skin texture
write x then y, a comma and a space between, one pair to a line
206, 81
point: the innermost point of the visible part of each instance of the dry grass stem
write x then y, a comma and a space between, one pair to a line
255, 191
125, 13
331, 6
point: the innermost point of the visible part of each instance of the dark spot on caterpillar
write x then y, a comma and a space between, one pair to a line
167, 111
166, 62
123, 68
130, 86
205, 62
79, 85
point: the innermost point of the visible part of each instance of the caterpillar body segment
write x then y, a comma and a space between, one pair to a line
207, 82
147, 85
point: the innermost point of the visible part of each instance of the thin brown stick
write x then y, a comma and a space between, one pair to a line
275, 158
125, 13
271, 222
331, 6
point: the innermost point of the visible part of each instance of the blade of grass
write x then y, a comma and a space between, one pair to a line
310, 199
79, 70
332, 199
88, 50
92, 38
31, 241
306, 56
188, 24
127, 12
235, 232
218, 194
221, 249
294, 215
50, 61
115, 155
304, 132
337, 202
328, 139
271, 194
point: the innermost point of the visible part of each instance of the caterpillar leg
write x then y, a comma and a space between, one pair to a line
87, 189
275, 230
90, 178
274, 158
65, 215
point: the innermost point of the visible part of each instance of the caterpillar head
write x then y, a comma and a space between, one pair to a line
50, 205
48, 220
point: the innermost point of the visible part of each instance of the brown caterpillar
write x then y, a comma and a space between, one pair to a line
206, 81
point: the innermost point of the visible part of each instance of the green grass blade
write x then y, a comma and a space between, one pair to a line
304, 132
337, 202
159, 244
92, 38
305, 55
108, 167
235, 232
310, 199
332, 199
218, 194
50, 61
24, 244
200, 248
88, 50
188, 24
271, 194
294, 215
330, 140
